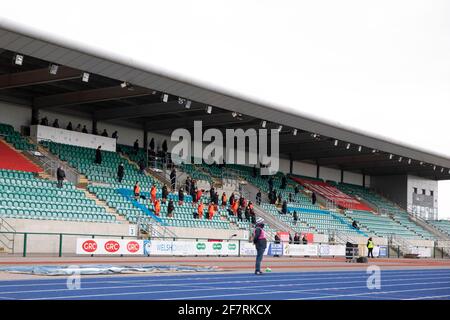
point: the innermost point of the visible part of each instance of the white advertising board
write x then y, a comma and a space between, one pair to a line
190, 248
298, 250
74, 138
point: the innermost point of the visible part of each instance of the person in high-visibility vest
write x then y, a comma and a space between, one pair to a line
200, 210
153, 193
211, 209
370, 246
157, 205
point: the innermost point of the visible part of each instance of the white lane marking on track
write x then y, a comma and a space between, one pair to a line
370, 294
428, 298
214, 296
256, 281
285, 277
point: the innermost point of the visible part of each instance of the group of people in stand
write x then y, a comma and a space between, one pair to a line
295, 240
78, 128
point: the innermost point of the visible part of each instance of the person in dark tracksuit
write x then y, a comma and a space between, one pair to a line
260, 241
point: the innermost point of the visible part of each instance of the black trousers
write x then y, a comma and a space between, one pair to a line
370, 255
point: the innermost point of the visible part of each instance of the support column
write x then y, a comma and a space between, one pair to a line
342, 176
318, 170
291, 163
364, 179
145, 133
94, 126
34, 115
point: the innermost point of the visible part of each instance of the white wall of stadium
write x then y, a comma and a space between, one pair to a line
18, 116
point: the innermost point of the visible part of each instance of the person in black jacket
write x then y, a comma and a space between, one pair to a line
173, 178
180, 197
69, 126
104, 133
296, 190
136, 146
98, 155
56, 123
304, 240
260, 242
60, 175
295, 215
313, 198
84, 130
170, 209
164, 194
283, 182
258, 198
120, 172
296, 238
284, 208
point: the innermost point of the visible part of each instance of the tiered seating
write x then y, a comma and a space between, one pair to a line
382, 226
300, 227
442, 225
387, 207
182, 216
13, 137
83, 160
26, 197
332, 193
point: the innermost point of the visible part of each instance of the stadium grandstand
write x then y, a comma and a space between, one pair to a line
86, 153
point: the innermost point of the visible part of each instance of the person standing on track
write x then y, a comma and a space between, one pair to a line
370, 246
260, 241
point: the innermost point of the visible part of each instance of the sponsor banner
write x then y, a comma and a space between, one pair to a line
275, 249
248, 249
380, 251
301, 250
190, 248
109, 246
326, 250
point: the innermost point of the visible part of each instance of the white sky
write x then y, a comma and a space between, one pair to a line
379, 66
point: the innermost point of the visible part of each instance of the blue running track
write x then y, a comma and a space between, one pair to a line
408, 284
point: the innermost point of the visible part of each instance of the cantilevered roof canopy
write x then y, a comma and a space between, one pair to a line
140, 106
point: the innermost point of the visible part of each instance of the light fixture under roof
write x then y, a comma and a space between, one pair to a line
294, 132
280, 127
391, 156
188, 104
53, 69
400, 159
359, 149
409, 161
421, 163
18, 59
374, 150
264, 123
434, 168
442, 169
209, 109
336, 142
165, 97
85, 77
181, 100
348, 146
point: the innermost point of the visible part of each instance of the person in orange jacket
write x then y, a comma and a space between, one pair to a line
211, 210
153, 193
200, 210
137, 190
199, 194
157, 205
235, 207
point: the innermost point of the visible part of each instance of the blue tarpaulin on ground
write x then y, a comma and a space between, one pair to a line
103, 269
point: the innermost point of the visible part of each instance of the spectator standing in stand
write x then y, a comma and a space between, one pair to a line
120, 172
60, 176
98, 155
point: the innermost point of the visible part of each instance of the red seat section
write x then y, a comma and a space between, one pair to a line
327, 191
10, 159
